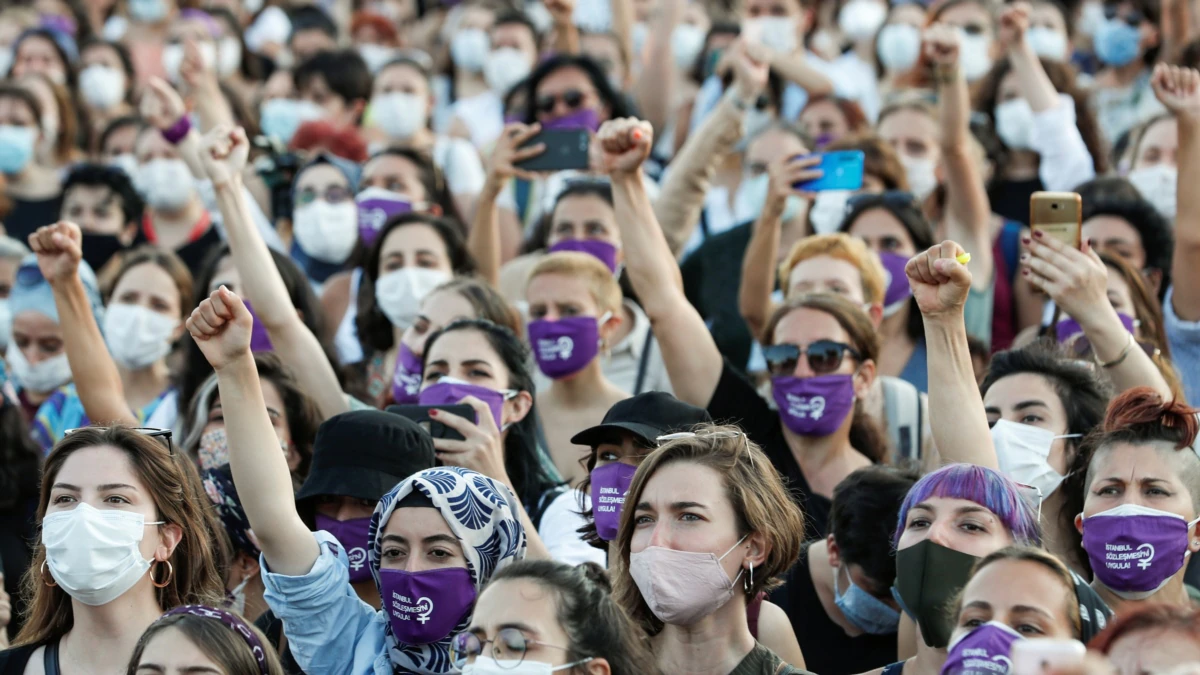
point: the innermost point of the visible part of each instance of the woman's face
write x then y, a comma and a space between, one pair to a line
565, 91
1153, 650
150, 145
973, 18
1143, 475
276, 411
103, 477
584, 217
1029, 398
529, 607
322, 182
95, 209
37, 55
764, 8
1023, 595
467, 355
1120, 295
804, 326
438, 310
1047, 15
341, 507
148, 285
827, 274
912, 134
100, 54
824, 119
958, 524
1115, 236
1160, 145
419, 540
413, 245
397, 174
14, 112
559, 296
882, 232
172, 651
627, 451
402, 78
120, 142
37, 336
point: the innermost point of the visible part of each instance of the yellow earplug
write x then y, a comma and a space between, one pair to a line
964, 258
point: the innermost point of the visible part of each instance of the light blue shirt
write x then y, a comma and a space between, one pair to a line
1184, 338
329, 629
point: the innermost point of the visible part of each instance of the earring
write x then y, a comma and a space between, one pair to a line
748, 581
48, 581
170, 574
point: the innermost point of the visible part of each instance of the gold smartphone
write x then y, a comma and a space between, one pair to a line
1058, 215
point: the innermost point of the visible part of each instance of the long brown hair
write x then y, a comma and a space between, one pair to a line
179, 499
1149, 315
217, 641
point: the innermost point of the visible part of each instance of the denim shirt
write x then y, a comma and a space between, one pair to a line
329, 629
1184, 338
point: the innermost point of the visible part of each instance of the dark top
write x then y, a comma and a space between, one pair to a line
762, 661
735, 401
193, 253
712, 277
896, 668
272, 627
28, 216
13, 661
1010, 198
827, 649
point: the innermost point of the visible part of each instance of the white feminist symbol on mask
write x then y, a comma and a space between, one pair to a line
805, 406
1145, 562
425, 605
358, 557
556, 349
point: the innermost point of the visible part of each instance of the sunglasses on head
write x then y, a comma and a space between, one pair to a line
824, 356
163, 435
572, 98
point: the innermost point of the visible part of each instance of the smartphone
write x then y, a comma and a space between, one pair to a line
420, 415
1058, 215
565, 149
1035, 657
842, 170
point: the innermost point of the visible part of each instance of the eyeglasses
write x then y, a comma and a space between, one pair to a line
508, 647
824, 356
892, 199
163, 435
1080, 347
572, 98
334, 194
1132, 17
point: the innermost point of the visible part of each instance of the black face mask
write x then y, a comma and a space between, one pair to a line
928, 577
98, 249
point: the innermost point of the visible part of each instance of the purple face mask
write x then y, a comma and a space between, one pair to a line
1134, 550
352, 535
449, 391
580, 119
562, 348
983, 651
813, 406
375, 207
406, 381
898, 290
259, 340
423, 607
1069, 328
610, 483
604, 251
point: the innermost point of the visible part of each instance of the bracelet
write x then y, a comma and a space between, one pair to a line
945, 74
1124, 353
178, 131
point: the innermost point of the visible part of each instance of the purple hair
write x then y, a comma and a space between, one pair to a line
987, 487
214, 28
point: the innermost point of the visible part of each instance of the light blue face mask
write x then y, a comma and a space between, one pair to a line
148, 11
864, 610
752, 194
16, 148
281, 117
1116, 42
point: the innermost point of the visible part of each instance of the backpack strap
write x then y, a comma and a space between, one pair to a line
902, 407
1010, 246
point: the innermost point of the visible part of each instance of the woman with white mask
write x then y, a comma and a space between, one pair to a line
510, 52
148, 299
106, 79
898, 44
976, 28
126, 533
324, 216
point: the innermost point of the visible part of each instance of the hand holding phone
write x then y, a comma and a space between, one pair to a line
420, 415
563, 149
839, 170
1058, 215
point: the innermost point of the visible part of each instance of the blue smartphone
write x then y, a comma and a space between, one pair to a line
842, 169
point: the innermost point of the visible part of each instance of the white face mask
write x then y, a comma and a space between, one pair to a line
1023, 451
399, 114
127, 163
137, 336
42, 378
237, 596
506, 67
593, 16
5, 324
775, 32
92, 554
399, 293
1158, 185
1091, 15
229, 56
486, 665
469, 49
639, 34
172, 59
687, 41
1047, 43
102, 87
166, 184
828, 210
860, 19
975, 57
921, 174
375, 55
898, 46
1014, 124
327, 232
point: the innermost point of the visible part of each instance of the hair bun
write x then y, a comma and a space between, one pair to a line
1144, 409
597, 575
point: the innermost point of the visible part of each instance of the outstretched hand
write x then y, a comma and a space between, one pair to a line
509, 151
1178, 89
59, 248
622, 145
942, 44
1014, 22
939, 282
482, 447
161, 105
221, 327
223, 152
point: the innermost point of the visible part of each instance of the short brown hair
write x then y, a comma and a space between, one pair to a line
840, 246
603, 286
754, 489
1041, 557
216, 640
1148, 617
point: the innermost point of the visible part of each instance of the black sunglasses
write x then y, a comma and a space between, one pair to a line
573, 98
1132, 17
824, 356
163, 435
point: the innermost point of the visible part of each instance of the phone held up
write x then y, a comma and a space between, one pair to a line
840, 170
1058, 215
565, 149
420, 415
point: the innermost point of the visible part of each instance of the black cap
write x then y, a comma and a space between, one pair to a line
646, 416
364, 454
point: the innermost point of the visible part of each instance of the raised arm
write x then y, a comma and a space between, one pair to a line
794, 67
940, 285
485, 240
622, 28
566, 34
204, 89
59, 249
758, 265
224, 152
691, 356
968, 215
1179, 90
1077, 281
654, 89
221, 327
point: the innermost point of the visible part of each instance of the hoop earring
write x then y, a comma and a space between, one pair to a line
48, 581
170, 574
748, 581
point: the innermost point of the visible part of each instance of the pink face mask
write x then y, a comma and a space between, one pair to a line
682, 587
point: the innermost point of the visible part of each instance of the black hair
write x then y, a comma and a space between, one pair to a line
117, 125
10, 90
1084, 397
1151, 11
126, 62
697, 72
251, 66
99, 175
374, 328
525, 462
1158, 240
596, 626
866, 505
587, 531
539, 238
1106, 187
610, 97
49, 36
310, 17
344, 71
516, 17
437, 190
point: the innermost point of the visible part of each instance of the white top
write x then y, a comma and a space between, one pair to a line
559, 530
484, 116
460, 163
345, 340
1065, 160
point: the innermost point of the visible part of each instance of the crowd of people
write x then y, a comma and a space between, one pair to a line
325, 351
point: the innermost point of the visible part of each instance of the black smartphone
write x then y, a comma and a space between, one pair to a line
420, 415
565, 149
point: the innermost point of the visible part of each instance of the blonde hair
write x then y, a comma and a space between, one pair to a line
839, 246
1020, 553
600, 280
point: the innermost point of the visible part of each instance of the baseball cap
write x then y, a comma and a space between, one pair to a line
647, 416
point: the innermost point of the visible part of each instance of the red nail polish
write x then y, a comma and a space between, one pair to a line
433, 412
1038, 234
1025, 240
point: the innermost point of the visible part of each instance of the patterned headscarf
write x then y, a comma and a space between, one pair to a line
218, 485
482, 513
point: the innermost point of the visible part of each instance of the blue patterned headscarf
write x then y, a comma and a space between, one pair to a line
482, 513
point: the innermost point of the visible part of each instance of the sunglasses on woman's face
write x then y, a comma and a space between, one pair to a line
1132, 17
572, 98
824, 357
